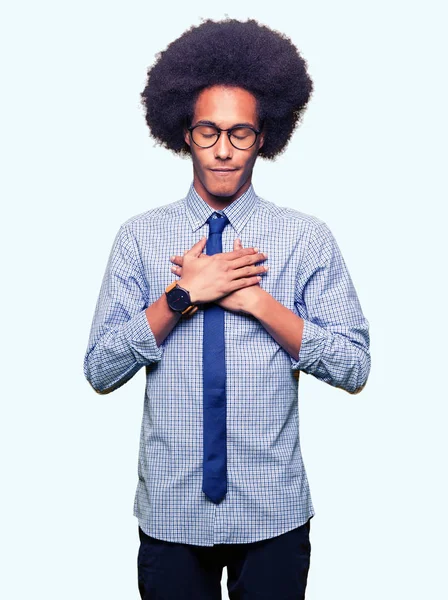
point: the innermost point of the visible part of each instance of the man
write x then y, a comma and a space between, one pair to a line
255, 292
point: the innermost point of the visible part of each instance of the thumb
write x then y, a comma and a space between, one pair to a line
237, 244
196, 249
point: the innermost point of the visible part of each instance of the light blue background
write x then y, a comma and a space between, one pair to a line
77, 161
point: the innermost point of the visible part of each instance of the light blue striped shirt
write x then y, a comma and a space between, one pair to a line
268, 492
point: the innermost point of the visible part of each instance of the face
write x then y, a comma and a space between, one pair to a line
225, 107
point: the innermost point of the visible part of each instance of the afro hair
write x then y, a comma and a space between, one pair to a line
231, 53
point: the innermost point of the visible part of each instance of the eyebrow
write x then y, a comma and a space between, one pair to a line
205, 122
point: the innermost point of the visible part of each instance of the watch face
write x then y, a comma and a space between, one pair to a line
178, 299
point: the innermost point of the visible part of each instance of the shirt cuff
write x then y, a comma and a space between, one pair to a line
312, 347
142, 340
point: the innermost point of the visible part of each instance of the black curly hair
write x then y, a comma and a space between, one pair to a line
233, 53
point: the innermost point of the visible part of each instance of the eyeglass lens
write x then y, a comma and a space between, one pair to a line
206, 135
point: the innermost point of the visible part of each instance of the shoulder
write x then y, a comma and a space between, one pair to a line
286, 213
293, 217
159, 216
159, 213
310, 232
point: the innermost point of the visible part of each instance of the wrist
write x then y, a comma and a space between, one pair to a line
256, 301
190, 289
175, 316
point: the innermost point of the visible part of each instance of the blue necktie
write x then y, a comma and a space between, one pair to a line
214, 481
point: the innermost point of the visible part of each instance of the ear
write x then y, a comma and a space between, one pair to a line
187, 137
261, 140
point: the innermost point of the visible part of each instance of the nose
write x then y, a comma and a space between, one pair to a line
223, 147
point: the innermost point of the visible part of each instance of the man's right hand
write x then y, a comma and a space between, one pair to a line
208, 278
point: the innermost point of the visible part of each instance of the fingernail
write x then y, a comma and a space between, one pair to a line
265, 254
172, 257
256, 249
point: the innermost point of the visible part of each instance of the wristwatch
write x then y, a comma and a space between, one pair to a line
178, 299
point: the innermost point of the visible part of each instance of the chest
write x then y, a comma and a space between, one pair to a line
278, 240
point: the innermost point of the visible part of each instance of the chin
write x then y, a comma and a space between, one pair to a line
222, 190
227, 187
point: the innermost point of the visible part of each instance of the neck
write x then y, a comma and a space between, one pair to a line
219, 202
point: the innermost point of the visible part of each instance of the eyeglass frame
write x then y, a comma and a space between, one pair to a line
229, 133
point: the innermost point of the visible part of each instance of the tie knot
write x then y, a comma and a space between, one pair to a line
217, 222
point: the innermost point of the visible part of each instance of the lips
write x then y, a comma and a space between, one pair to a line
223, 170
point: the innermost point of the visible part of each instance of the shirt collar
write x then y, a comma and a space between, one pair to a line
238, 212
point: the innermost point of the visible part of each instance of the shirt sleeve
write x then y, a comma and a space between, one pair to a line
121, 340
335, 342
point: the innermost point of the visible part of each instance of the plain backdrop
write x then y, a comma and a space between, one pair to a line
369, 159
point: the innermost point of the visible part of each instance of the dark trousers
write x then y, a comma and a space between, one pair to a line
271, 569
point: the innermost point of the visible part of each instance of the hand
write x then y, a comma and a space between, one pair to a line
244, 299
209, 278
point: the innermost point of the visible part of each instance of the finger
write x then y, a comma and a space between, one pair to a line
248, 271
196, 249
236, 243
178, 260
238, 284
248, 260
176, 270
240, 252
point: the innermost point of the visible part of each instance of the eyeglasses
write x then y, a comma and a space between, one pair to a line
241, 138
